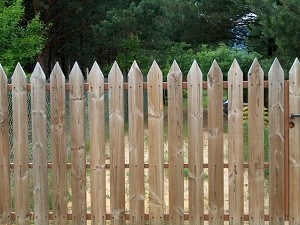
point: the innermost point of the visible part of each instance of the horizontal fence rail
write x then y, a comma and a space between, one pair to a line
137, 188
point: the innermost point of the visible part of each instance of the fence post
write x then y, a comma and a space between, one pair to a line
215, 145
20, 145
116, 144
175, 145
294, 144
97, 146
276, 143
256, 143
195, 144
235, 145
4, 152
39, 145
78, 158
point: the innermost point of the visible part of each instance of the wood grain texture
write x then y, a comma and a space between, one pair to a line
256, 143
155, 145
59, 146
78, 158
116, 144
195, 145
276, 143
136, 145
235, 145
175, 145
294, 144
4, 152
97, 146
20, 146
215, 145
39, 146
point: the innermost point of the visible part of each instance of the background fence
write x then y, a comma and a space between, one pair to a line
118, 151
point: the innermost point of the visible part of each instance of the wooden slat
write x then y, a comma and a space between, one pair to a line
294, 144
235, 144
20, 145
156, 145
215, 145
136, 145
78, 159
256, 143
97, 146
276, 143
39, 145
195, 144
59, 146
116, 144
175, 145
4, 152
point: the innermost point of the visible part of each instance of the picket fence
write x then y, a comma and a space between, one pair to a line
284, 155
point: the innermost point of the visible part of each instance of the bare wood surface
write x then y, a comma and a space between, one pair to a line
156, 145
78, 159
59, 146
39, 146
20, 146
215, 145
136, 145
195, 144
4, 152
294, 144
276, 143
235, 145
256, 143
97, 146
116, 145
175, 145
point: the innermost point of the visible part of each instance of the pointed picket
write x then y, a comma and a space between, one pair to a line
4, 152
97, 145
39, 145
20, 145
235, 144
156, 145
294, 144
59, 146
78, 158
116, 143
136, 145
276, 143
215, 145
256, 143
175, 145
195, 144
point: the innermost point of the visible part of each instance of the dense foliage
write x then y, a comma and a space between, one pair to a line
124, 30
20, 40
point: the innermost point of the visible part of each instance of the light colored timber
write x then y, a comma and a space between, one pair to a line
116, 145
136, 145
175, 145
235, 145
195, 144
20, 146
276, 143
78, 158
39, 146
156, 145
256, 143
97, 146
215, 145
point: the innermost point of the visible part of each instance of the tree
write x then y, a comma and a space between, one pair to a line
20, 40
275, 33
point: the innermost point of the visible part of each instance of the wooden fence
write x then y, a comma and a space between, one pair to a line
284, 145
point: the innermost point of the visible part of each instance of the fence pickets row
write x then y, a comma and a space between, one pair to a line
156, 146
